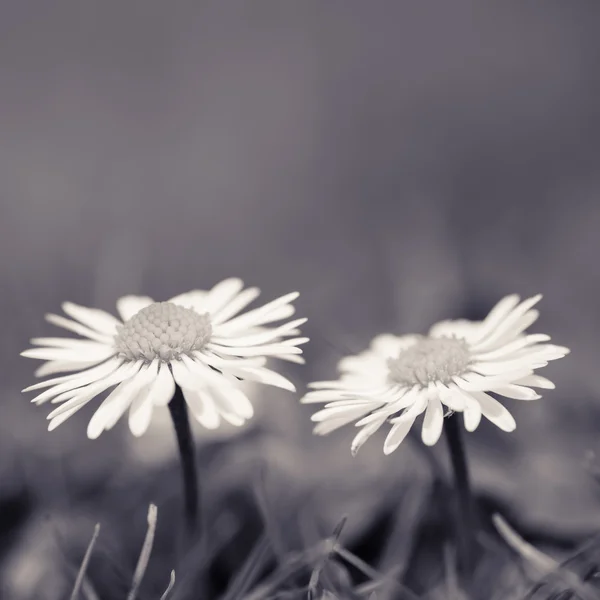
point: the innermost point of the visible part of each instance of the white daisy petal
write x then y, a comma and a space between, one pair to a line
130, 305
511, 325
451, 397
115, 404
87, 393
218, 385
472, 415
325, 427
495, 412
364, 434
264, 375
341, 412
293, 358
266, 350
233, 307
504, 352
77, 379
259, 338
396, 435
94, 318
518, 392
96, 387
163, 389
78, 328
62, 366
56, 421
433, 422
496, 316
202, 407
536, 381
92, 352
273, 311
221, 294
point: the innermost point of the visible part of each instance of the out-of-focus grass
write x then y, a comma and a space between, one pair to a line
266, 536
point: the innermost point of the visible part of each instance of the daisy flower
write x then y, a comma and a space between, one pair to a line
198, 341
456, 367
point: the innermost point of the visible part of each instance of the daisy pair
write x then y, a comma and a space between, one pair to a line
200, 341
456, 367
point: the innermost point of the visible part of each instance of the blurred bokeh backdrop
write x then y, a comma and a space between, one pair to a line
395, 162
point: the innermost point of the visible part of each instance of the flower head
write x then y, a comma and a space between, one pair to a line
455, 367
197, 340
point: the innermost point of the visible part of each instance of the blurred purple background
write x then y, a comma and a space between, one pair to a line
397, 163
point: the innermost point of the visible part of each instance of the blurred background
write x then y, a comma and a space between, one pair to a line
396, 163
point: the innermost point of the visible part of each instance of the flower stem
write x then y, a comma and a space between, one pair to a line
187, 454
465, 507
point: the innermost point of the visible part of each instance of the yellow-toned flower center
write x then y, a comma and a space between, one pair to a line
430, 360
163, 330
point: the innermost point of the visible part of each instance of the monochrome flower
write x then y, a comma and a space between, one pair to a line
198, 340
456, 367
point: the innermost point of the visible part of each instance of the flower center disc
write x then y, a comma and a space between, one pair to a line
163, 330
430, 360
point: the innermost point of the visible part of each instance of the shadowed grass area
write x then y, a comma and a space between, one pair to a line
265, 538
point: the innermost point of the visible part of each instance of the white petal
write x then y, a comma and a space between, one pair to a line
339, 412
202, 407
495, 316
74, 380
87, 393
128, 306
223, 363
263, 337
163, 389
78, 328
504, 352
404, 401
233, 308
364, 434
221, 294
140, 415
293, 358
433, 421
495, 412
92, 352
511, 325
396, 435
115, 404
142, 405
451, 397
472, 414
325, 427
61, 366
265, 376
54, 423
65, 343
474, 382
94, 318
536, 381
264, 314
518, 392
326, 396
267, 350
193, 373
